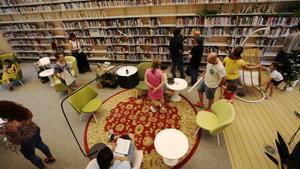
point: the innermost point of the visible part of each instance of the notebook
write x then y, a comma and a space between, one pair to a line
122, 146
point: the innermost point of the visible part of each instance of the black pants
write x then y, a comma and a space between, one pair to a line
177, 62
194, 74
82, 62
28, 150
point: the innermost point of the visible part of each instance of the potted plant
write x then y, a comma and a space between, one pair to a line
290, 69
286, 160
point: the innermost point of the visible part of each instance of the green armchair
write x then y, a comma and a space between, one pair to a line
215, 122
142, 67
84, 101
14, 59
60, 87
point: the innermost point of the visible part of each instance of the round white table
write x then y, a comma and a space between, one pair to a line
128, 77
171, 144
49, 73
179, 84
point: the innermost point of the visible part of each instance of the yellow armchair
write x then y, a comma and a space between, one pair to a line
215, 122
142, 86
14, 59
60, 87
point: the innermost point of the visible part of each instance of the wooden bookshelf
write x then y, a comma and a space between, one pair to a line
30, 27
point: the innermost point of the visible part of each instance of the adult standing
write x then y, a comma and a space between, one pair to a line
292, 42
176, 50
77, 52
155, 80
195, 57
214, 77
21, 130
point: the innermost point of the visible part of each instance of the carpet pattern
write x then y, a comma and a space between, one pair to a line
125, 114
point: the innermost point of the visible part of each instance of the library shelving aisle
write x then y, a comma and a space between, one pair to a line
140, 30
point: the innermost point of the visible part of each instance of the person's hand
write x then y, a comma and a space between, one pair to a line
155, 89
113, 146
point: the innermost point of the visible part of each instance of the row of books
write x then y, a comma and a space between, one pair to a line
33, 55
111, 3
186, 21
29, 42
213, 31
136, 49
28, 48
139, 57
28, 35
251, 20
31, 2
273, 32
267, 42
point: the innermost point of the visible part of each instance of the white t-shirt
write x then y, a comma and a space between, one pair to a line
214, 74
93, 164
275, 75
116, 165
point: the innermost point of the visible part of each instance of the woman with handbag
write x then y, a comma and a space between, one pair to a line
62, 71
77, 52
21, 130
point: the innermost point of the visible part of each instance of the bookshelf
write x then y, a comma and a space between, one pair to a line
30, 26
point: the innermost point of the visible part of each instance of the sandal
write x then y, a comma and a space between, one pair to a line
199, 104
49, 160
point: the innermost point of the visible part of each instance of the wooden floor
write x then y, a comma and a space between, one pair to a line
256, 124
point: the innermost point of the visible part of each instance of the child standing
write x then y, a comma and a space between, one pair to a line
275, 78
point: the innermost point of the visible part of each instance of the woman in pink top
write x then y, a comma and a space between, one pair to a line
154, 79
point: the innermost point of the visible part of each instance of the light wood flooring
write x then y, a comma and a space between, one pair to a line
256, 124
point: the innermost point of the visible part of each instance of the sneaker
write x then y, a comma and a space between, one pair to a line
270, 150
199, 104
268, 97
152, 109
11, 88
163, 109
111, 135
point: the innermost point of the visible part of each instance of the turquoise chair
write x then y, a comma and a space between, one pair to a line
14, 59
84, 101
215, 122
142, 67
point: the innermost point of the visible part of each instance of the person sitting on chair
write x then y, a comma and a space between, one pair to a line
10, 72
275, 78
233, 63
62, 71
106, 159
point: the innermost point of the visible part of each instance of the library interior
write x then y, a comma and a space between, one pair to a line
149, 84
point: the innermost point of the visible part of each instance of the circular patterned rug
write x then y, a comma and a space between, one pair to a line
123, 113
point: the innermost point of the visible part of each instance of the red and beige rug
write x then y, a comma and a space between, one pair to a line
124, 113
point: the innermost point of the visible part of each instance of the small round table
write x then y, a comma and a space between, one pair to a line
49, 73
179, 84
128, 77
171, 144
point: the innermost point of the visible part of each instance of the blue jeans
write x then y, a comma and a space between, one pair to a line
194, 74
177, 62
28, 150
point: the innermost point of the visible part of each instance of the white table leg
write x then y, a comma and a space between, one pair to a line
51, 80
170, 162
176, 97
